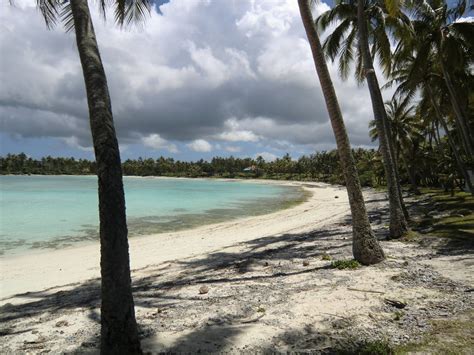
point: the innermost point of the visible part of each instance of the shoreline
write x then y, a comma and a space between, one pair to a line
25, 273
269, 287
278, 202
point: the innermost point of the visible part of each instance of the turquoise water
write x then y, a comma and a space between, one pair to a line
41, 212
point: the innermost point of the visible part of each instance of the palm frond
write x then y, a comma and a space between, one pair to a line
67, 18
50, 10
131, 11
333, 42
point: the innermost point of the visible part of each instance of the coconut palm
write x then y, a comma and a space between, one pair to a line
342, 42
398, 224
436, 35
118, 325
405, 129
365, 247
422, 74
349, 42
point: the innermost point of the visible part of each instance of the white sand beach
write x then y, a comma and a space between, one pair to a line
28, 272
268, 286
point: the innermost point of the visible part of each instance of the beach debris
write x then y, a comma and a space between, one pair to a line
40, 339
61, 323
361, 290
254, 319
395, 303
88, 344
336, 196
305, 263
203, 290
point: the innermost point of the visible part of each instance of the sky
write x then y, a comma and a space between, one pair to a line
198, 79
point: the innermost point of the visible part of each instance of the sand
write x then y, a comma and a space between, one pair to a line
269, 287
27, 273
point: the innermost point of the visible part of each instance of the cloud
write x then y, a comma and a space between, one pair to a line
154, 141
200, 145
73, 142
232, 149
229, 71
234, 133
266, 155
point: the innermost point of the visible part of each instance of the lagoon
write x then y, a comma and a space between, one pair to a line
52, 212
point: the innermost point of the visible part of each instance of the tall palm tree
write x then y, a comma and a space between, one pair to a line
436, 34
417, 70
349, 42
398, 224
119, 332
405, 134
365, 246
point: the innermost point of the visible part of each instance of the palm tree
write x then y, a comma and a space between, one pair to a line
398, 224
365, 246
405, 134
342, 42
119, 332
436, 34
417, 70
349, 42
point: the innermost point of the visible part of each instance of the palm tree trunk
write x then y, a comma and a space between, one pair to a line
411, 176
461, 117
461, 166
395, 156
118, 325
365, 246
398, 223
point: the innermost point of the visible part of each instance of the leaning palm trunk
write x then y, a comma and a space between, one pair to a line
119, 333
459, 114
411, 176
391, 144
457, 156
398, 224
365, 246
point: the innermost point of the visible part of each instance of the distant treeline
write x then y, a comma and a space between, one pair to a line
321, 166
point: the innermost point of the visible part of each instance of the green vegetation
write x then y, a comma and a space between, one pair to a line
447, 215
447, 336
326, 257
321, 166
345, 264
376, 347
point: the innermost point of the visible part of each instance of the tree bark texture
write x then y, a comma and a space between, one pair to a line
398, 224
459, 161
365, 247
119, 333
459, 114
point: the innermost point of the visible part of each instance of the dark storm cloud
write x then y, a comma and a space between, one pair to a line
202, 70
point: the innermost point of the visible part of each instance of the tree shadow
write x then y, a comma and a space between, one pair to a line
222, 339
263, 259
266, 255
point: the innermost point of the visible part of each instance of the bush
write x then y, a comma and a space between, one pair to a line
345, 264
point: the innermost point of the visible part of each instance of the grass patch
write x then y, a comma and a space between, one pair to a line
376, 347
326, 257
447, 336
345, 264
458, 219
410, 235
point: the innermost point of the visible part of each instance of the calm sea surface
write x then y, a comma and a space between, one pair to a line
42, 212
